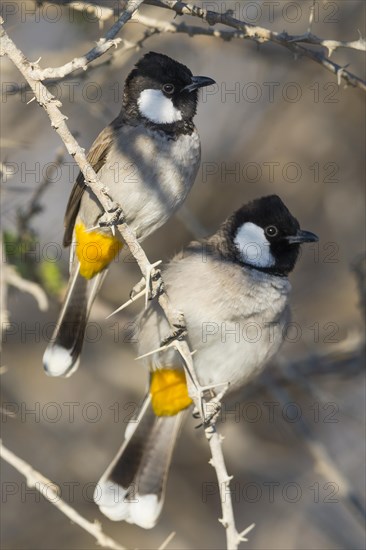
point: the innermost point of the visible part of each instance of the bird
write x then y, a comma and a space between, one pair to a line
148, 157
233, 289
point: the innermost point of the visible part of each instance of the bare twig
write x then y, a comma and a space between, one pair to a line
261, 34
167, 541
330, 45
233, 537
191, 30
103, 45
243, 30
13, 88
49, 490
13, 278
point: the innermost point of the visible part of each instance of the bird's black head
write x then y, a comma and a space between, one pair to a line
162, 92
264, 235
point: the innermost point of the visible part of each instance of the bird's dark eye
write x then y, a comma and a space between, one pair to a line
271, 231
168, 88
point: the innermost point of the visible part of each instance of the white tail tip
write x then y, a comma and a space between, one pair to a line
57, 361
114, 503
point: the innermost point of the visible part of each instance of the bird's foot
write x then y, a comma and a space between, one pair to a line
153, 282
113, 217
209, 406
179, 333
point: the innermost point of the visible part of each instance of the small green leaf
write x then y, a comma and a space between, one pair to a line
50, 277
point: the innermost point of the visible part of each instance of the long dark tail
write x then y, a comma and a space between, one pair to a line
133, 487
62, 354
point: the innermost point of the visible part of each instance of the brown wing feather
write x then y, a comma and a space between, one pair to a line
96, 157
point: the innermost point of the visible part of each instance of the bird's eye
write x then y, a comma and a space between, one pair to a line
168, 88
271, 231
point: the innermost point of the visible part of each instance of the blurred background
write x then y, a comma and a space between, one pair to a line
294, 440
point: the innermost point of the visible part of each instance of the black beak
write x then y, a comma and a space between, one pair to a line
302, 237
198, 82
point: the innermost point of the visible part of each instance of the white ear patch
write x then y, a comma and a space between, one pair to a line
158, 108
253, 246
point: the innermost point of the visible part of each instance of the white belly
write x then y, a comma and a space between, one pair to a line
235, 319
237, 351
149, 176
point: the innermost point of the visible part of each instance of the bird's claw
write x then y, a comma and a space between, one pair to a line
209, 408
112, 218
137, 288
178, 334
156, 284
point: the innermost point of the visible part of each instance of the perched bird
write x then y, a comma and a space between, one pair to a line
233, 290
148, 157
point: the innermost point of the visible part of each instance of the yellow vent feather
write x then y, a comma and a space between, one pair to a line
94, 250
169, 393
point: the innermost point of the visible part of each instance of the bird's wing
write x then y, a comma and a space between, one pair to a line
96, 157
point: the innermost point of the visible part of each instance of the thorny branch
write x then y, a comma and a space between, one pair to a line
103, 45
114, 214
233, 538
50, 491
261, 34
191, 30
14, 88
243, 30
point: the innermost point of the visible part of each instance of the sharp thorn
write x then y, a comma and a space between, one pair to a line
162, 348
126, 304
245, 532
